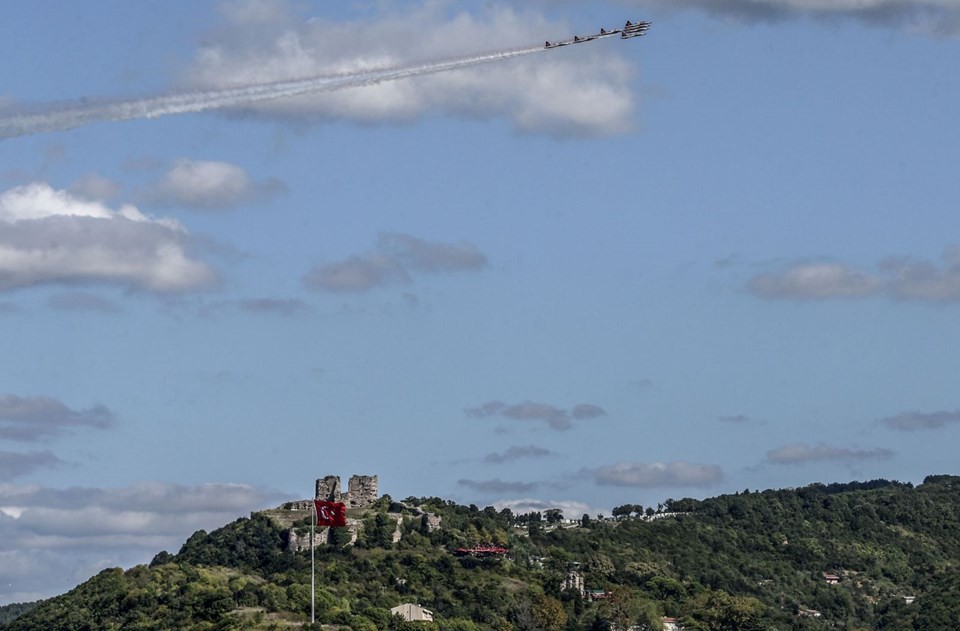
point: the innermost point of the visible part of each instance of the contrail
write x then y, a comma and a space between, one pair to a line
74, 115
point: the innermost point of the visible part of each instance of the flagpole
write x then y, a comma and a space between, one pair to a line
313, 571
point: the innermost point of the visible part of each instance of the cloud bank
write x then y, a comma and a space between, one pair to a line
587, 93
52, 539
897, 278
53, 237
210, 185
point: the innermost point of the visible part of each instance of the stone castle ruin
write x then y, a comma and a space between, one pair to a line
361, 490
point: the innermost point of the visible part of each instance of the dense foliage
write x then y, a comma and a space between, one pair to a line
11, 612
742, 562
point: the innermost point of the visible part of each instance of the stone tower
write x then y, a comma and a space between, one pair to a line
328, 488
362, 491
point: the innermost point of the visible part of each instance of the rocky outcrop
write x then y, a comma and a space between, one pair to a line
430, 522
398, 530
353, 527
297, 543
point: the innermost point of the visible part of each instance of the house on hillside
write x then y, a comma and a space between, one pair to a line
809, 613
597, 594
413, 613
670, 624
831, 579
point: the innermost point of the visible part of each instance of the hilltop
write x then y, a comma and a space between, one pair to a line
871, 555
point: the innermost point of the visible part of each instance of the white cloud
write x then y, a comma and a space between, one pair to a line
581, 93
209, 185
50, 236
900, 278
815, 281
657, 474
51, 539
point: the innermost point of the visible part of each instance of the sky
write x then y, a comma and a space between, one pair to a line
721, 256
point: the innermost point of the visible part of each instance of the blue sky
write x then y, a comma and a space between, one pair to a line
722, 256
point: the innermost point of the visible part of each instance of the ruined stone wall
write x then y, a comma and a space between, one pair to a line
296, 543
361, 491
328, 489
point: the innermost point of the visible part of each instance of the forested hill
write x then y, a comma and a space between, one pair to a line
742, 562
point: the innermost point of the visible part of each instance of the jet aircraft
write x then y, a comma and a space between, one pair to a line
629, 30
634, 30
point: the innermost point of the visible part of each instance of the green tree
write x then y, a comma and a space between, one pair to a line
548, 613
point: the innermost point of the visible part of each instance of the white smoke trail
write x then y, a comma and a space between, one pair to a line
70, 116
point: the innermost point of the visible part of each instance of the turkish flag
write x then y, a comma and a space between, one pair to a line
331, 513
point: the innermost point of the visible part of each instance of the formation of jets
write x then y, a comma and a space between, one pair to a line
629, 30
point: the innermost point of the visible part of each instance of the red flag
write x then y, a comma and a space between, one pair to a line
331, 513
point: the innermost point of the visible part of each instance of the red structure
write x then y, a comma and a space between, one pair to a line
481, 551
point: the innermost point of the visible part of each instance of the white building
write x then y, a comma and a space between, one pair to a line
413, 613
574, 581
